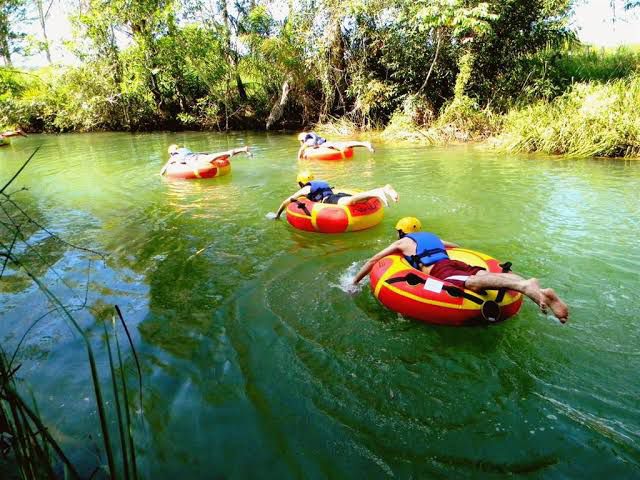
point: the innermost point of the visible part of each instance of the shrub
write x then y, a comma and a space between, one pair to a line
589, 120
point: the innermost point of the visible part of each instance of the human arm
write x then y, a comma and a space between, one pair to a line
366, 268
292, 198
303, 147
14, 133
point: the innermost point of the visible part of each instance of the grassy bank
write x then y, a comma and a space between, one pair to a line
596, 116
589, 120
574, 101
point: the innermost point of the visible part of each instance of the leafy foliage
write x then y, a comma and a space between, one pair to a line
12, 15
448, 66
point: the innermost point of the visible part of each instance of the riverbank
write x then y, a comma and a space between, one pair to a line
596, 117
589, 120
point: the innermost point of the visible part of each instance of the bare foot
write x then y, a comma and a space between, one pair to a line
557, 306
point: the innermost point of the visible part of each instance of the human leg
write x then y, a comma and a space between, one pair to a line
335, 198
366, 145
506, 274
380, 193
543, 297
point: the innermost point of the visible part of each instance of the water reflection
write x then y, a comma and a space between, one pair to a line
255, 362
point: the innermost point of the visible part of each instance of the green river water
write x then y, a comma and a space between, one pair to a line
257, 361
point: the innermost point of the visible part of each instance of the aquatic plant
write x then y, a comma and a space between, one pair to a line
22, 432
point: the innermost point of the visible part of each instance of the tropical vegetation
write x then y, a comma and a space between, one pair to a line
427, 70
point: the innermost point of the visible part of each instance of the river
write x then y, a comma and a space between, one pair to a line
257, 362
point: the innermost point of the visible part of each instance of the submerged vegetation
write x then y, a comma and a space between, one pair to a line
28, 450
428, 70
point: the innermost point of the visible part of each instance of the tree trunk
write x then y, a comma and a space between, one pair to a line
146, 42
433, 63
6, 56
465, 71
231, 54
5, 51
338, 63
43, 24
242, 93
278, 108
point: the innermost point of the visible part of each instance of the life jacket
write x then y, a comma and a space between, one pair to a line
429, 249
317, 139
319, 190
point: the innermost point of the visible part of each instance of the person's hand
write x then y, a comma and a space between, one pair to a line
370, 147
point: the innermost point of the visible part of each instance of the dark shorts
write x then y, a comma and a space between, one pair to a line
453, 271
334, 197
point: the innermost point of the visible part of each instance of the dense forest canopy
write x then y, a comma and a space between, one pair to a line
220, 64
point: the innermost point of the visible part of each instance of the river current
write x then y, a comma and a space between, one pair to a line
257, 360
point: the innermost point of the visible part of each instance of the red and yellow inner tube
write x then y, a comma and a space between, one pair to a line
217, 168
330, 218
412, 293
325, 153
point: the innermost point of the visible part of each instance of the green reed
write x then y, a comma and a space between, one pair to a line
595, 119
35, 452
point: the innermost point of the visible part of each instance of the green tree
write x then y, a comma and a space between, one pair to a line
12, 13
453, 20
521, 30
44, 8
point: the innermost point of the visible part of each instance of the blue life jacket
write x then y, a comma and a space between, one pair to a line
317, 139
319, 190
429, 249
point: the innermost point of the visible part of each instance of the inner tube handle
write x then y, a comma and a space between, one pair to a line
506, 267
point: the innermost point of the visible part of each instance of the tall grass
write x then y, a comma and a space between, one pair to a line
584, 103
591, 119
553, 71
337, 126
589, 64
